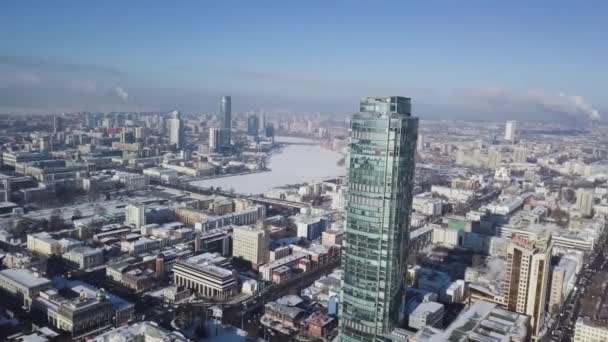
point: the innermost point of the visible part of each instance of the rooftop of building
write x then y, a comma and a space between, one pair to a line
141, 330
91, 291
284, 310
25, 277
427, 307
484, 321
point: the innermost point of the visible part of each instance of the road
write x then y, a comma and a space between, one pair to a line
562, 329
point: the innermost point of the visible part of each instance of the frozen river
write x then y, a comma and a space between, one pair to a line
294, 164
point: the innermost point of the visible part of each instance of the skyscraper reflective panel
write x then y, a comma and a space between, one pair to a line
380, 182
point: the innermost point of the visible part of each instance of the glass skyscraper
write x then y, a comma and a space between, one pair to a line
380, 181
226, 117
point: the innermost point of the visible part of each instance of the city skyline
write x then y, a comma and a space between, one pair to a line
344, 171
465, 61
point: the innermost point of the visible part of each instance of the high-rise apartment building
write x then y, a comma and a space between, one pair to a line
176, 130
135, 214
584, 201
226, 117
494, 159
251, 244
510, 130
527, 277
380, 180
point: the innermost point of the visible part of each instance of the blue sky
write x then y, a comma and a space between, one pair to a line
455, 59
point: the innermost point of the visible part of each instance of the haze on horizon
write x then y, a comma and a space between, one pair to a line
474, 60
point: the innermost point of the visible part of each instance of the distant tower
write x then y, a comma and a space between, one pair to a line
197, 244
262, 122
217, 139
584, 201
160, 265
226, 116
45, 144
176, 130
140, 133
510, 130
269, 132
7, 189
253, 125
57, 124
127, 137
135, 214
420, 146
520, 155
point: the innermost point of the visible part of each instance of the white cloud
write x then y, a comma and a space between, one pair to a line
122, 93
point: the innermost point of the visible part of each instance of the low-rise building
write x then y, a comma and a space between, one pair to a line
427, 314
320, 325
78, 316
23, 284
483, 321
206, 277
84, 257
140, 332
332, 237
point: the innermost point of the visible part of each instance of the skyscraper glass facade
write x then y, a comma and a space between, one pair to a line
226, 116
380, 182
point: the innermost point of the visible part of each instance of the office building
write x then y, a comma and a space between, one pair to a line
251, 244
589, 330
135, 214
427, 314
269, 132
226, 117
218, 141
253, 125
494, 159
380, 181
57, 124
526, 281
79, 316
84, 257
520, 155
176, 130
215, 140
140, 133
45, 144
310, 226
206, 275
584, 201
510, 130
482, 321
23, 284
